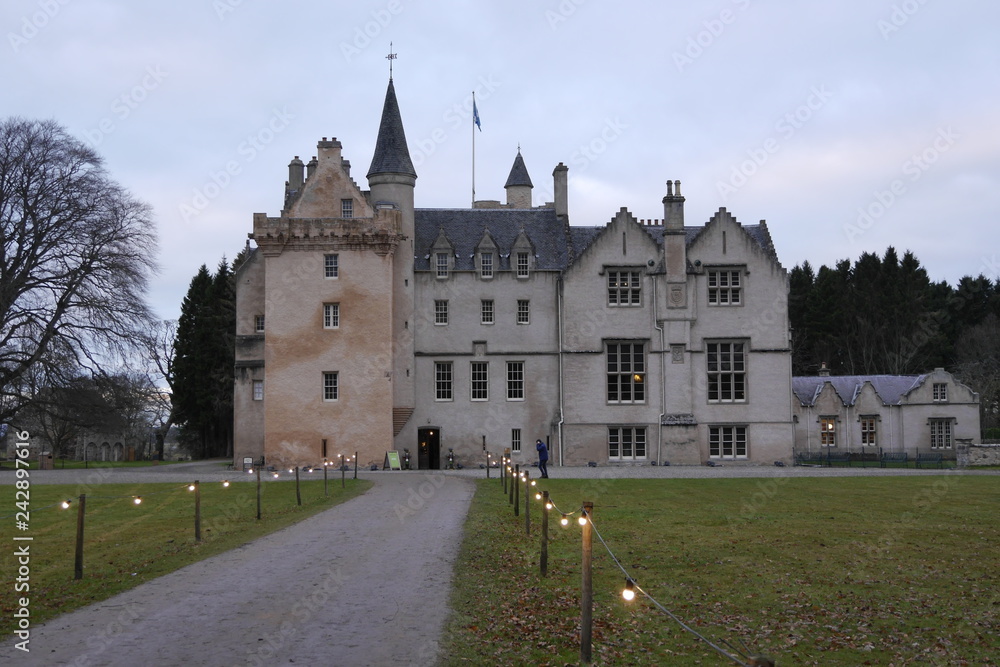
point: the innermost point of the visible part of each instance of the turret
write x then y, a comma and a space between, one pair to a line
391, 179
519, 184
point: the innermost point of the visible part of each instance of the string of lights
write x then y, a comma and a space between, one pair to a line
630, 584
135, 498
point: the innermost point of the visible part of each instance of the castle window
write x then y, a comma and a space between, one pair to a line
941, 433
626, 443
441, 312
515, 440
331, 266
523, 311
347, 208
727, 442
331, 386
828, 431
515, 380
940, 392
626, 364
480, 380
725, 288
258, 390
727, 377
486, 265
522, 265
869, 432
441, 263
623, 288
258, 323
486, 310
331, 315
443, 381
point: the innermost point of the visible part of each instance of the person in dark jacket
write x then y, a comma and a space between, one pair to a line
543, 458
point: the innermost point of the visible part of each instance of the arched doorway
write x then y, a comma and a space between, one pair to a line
117, 452
105, 451
429, 448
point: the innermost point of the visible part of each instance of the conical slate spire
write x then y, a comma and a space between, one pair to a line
391, 154
518, 173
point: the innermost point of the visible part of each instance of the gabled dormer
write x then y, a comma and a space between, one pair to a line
487, 256
442, 256
522, 256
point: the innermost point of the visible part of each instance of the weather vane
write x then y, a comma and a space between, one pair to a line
390, 58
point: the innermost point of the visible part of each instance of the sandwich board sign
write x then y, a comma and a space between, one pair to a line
391, 460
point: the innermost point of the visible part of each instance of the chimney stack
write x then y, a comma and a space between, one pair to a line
295, 170
560, 181
673, 207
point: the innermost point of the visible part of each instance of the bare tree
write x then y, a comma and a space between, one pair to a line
76, 256
159, 342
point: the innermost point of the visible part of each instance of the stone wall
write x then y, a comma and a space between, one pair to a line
970, 455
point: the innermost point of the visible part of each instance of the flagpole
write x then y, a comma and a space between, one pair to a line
472, 126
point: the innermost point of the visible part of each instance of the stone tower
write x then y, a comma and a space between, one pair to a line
391, 178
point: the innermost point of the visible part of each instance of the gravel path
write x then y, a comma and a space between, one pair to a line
363, 583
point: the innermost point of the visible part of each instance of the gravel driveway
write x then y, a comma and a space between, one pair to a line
363, 583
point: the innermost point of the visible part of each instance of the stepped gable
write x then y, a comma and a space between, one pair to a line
465, 227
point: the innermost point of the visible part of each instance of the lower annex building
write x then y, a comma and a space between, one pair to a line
365, 324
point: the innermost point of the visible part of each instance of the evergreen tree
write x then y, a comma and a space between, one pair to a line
203, 361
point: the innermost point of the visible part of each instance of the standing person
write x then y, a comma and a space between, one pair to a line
543, 458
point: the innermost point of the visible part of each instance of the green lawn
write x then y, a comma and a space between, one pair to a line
126, 544
811, 571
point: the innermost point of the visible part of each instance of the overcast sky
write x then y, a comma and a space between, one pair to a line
849, 126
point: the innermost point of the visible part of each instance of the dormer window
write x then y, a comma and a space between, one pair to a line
486, 265
441, 264
522, 265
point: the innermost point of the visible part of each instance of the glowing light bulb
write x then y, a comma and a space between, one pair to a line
548, 506
629, 592
66, 503
533, 482
538, 496
564, 520
137, 500
250, 471
190, 487
225, 482
582, 520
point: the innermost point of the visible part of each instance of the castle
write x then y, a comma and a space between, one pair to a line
365, 324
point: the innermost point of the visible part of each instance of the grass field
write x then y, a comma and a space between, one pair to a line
126, 544
810, 571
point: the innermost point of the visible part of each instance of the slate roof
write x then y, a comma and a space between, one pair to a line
391, 154
518, 173
465, 228
555, 245
890, 388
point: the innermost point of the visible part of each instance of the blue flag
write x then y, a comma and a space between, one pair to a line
475, 115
